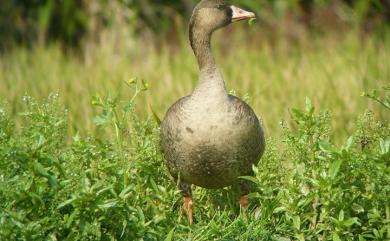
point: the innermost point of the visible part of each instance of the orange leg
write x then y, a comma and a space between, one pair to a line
188, 206
244, 202
245, 188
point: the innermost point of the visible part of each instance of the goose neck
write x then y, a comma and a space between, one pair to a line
210, 80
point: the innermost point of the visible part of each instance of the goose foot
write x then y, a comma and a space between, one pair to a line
244, 202
188, 206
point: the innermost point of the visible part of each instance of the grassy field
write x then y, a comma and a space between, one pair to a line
332, 71
85, 165
118, 188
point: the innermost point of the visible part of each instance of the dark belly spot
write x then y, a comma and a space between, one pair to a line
189, 130
236, 120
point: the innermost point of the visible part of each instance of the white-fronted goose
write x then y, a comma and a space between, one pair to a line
211, 138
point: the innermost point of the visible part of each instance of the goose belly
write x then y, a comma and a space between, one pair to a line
216, 153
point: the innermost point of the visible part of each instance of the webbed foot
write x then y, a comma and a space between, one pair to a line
188, 206
244, 202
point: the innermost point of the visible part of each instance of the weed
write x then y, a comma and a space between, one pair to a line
116, 187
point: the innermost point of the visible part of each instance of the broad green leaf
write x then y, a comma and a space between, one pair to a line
39, 169
298, 114
309, 106
125, 192
326, 147
108, 204
102, 120
334, 168
36, 199
71, 219
300, 237
124, 225
357, 208
76, 138
335, 237
349, 143
52, 181
140, 214
376, 233
170, 235
279, 209
361, 238
67, 202
250, 178
341, 215
385, 146
40, 141
58, 123
351, 221
103, 190
254, 195
297, 222
97, 101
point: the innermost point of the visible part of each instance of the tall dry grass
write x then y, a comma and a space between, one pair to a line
332, 70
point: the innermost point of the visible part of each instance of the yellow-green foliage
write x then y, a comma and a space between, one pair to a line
94, 171
118, 188
332, 71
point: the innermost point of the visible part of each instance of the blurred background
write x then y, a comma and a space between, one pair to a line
328, 50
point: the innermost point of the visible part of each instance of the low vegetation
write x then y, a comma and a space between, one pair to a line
114, 185
86, 164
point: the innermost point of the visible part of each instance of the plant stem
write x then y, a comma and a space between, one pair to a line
388, 220
120, 144
379, 101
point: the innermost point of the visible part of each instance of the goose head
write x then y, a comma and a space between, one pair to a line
210, 15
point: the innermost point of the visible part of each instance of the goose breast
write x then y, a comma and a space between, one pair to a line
211, 144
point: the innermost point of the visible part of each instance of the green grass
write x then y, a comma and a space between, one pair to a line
332, 71
118, 187
86, 165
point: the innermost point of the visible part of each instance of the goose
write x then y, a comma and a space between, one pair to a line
210, 138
